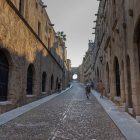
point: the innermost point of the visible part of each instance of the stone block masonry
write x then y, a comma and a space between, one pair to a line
27, 67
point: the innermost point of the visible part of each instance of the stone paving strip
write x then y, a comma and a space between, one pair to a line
129, 126
10, 115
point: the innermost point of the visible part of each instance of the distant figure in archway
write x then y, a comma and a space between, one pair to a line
88, 90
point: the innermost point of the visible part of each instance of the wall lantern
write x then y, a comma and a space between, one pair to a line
51, 24
101, 59
117, 30
44, 6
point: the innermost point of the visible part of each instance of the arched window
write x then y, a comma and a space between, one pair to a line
30, 76
117, 76
52, 82
4, 71
44, 76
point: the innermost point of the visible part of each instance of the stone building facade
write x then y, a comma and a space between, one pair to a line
117, 52
31, 55
81, 76
86, 68
69, 69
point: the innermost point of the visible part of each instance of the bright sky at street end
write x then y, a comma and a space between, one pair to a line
75, 18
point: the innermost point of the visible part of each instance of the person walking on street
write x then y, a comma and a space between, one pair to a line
92, 85
101, 88
88, 90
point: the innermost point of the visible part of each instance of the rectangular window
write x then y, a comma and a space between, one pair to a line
21, 7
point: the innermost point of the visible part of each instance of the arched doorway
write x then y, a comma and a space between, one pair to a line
49, 41
52, 82
57, 83
4, 71
75, 77
98, 74
44, 76
117, 77
107, 78
123, 83
30, 76
130, 104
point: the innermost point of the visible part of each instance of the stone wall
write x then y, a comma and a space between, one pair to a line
22, 47
116, 58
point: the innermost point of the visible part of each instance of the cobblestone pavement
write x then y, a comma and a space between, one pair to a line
69, 116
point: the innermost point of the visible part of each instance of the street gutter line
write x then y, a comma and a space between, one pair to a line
10, 115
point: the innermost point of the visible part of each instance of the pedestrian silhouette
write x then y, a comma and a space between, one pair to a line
101, 88
88, 90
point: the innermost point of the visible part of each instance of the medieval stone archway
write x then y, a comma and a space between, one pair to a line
44, 79
75, 76
123, 83
30, 79
4, 74
52, 82
74, 73
107, 79
117, 77
98, 75
56, 84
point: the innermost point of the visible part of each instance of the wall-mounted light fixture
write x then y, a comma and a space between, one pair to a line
44, 6
101, 59
117, 30
51, 24
96, 14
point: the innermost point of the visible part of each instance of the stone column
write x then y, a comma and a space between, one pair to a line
123, 100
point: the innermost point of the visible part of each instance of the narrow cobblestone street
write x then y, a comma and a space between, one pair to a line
69, 116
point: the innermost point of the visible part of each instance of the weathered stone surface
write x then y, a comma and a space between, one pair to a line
21, 45
117, 42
